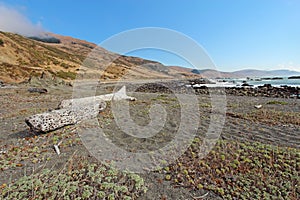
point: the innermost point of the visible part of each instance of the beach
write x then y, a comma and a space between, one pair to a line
254, 144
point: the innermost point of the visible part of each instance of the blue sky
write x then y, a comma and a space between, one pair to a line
240, 34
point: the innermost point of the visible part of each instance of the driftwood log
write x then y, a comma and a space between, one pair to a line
73, 111
120, 95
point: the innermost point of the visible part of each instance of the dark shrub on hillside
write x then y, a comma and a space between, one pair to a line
196, 71
87, 45
1, 42
45, 39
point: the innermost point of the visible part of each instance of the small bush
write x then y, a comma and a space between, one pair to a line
55, 62
1, 42
87, 45
196, 71
66, 75
65, 65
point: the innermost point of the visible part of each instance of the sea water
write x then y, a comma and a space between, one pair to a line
273, 82
255, 82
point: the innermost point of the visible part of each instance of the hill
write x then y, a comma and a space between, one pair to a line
263, 73
209, 73
64, 57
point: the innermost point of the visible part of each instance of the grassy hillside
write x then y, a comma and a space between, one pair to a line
22, 58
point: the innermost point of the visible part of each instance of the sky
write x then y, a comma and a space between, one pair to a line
236, 34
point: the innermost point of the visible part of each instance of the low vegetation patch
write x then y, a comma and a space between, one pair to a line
35, 149
79, 179
1, 42
240, 170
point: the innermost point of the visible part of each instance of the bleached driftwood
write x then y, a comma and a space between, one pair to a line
120, 95
55, 119
258, 106
73, 111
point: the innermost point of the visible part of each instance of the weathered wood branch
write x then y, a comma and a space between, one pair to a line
73, 111
120, 95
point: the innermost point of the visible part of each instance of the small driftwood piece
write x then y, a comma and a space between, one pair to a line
73, 111
258, 106
56, 148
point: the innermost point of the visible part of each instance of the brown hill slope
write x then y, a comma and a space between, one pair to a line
22, 58
184, 72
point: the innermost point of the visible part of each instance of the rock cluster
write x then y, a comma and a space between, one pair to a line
200, 81
266, 90
165, 87
261, 91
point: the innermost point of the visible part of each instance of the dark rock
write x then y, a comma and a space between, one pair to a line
200, 81
246, 85
266, 78
201, 87
38, 90
284, 86
277, 78
267, 86
294, 77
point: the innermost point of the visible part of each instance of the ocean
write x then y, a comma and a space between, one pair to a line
277, 83
255, 82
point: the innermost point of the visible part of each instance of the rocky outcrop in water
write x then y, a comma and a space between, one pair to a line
294, 77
